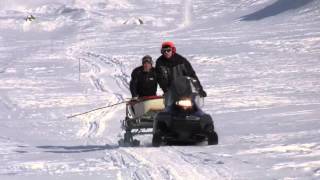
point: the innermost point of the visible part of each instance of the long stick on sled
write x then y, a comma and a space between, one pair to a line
75, 115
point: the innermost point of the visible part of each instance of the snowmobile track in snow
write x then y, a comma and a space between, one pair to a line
164, 167
98, 66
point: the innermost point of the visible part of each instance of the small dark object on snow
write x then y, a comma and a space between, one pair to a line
30, 18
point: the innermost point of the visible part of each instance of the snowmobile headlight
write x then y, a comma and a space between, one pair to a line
185, 103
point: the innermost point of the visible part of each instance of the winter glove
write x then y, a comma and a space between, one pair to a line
165, 90
202, 93
136, 98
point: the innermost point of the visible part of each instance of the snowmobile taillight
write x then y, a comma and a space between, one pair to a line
184, 103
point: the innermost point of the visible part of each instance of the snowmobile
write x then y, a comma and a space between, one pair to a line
182, 120
139, 118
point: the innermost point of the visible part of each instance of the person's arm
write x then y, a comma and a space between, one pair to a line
162, 77
192, 74
134, 83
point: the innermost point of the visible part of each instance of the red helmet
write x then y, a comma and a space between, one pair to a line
170, 44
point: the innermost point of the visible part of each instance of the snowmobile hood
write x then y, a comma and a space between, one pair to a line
182, 87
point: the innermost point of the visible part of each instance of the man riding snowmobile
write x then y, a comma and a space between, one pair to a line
182, 120
171, 65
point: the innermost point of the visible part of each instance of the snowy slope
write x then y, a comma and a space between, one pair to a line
257, 59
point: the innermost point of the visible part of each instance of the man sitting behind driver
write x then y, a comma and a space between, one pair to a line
143, 79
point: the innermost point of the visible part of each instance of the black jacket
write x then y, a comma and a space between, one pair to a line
169, 69
143, 83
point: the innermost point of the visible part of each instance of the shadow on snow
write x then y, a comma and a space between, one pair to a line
77, 149
276, 8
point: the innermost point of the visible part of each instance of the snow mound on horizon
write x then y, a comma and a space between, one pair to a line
53, 15
306, 8
49, 17
23, 5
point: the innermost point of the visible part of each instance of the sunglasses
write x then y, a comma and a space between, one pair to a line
166, 50
147, 61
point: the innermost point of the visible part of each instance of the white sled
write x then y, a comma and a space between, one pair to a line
139, 118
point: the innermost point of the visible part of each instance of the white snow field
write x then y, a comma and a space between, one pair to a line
258, 60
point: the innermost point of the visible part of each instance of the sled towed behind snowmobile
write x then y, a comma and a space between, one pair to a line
139, 118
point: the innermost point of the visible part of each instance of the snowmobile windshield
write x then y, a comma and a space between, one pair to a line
181, 88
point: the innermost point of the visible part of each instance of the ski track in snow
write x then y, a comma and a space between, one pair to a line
162, 167
95, 123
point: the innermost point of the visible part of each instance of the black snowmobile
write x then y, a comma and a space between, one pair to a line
182, 120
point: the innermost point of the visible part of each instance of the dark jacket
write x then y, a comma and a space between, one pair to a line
143, 83
169, 69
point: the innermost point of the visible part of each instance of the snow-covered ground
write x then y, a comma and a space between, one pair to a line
257, 59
